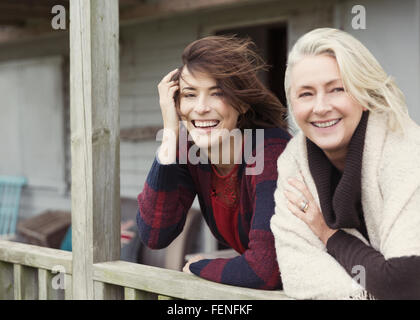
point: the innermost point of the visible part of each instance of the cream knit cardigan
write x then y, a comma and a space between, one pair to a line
391, 204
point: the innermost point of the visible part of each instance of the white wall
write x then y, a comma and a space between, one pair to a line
392, 34
31, 128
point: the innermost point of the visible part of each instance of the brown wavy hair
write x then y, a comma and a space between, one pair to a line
234, 64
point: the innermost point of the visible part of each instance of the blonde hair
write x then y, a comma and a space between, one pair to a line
362, 75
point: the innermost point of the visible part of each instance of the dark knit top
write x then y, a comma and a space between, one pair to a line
340, 199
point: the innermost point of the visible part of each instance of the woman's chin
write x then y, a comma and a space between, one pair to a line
328, 145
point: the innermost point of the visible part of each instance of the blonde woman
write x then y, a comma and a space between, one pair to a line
347, 214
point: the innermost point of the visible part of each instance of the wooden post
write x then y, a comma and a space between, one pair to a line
94, 105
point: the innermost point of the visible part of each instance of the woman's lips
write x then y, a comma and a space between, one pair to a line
205, 125
326, 124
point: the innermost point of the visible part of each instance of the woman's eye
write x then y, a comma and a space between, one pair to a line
304, 94
217, 94
188, 95
338, 89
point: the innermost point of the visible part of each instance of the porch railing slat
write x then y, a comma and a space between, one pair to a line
17, 281
25, 283
6, 281
162, 297
68, 294
42, 284
134, 294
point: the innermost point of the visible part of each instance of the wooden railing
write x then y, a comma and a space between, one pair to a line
27, 272
30, 272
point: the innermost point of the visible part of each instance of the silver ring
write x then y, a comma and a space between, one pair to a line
304, 205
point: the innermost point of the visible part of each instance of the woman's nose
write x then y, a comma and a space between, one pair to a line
322, 106
202, 105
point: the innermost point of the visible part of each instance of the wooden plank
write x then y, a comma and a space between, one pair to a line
162, 297
130, 294
94, 94
17, 281
25, 283
68, 295
42, 284
99, 290
30, 283
174, 283
34, 256
134, 294
24, 8
164, 8
47, 285
6, 281
106, 291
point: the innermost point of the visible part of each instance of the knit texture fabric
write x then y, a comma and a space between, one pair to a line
170, 190
340, 203
390, 198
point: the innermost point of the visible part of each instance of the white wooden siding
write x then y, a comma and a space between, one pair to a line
392, 34
31, 129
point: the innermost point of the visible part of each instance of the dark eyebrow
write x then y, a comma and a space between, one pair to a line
305, 87
188, 88
192, 88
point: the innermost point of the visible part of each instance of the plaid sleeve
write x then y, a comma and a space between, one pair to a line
163, 204
257, 267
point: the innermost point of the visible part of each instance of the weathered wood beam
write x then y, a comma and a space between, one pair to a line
18, 11
168, 7
34, 256
94, 94
30, 3
175, 284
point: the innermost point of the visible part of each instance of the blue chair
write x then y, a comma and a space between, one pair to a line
10, 190
66, 243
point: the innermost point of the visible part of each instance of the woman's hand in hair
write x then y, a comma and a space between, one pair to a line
167, 89
311, 214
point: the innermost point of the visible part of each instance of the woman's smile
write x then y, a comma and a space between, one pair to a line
326, 123
205, 126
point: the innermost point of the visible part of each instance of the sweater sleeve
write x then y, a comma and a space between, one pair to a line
395, 278
163, 204
257, 267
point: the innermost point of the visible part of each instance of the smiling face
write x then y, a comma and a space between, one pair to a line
325, 112
204, 108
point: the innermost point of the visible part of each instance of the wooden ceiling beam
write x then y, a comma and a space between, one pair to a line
167, 7
20, 12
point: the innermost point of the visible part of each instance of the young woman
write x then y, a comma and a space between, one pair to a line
347, 214
215, 93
